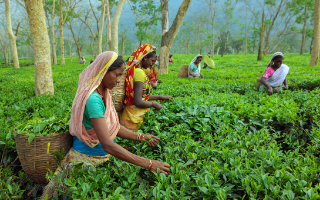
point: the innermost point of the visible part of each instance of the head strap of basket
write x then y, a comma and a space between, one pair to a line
89, 79
134, 60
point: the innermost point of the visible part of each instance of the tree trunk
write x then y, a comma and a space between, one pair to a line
316, 35
188, 48
114, 28
261, 38
41, 47
108, 26
12, 37
75, 41
225, 44
103, 8
246, 45
311, 42
212, 44
304, 29
168, 38
165, 17
122, 44
54, 54
61, 34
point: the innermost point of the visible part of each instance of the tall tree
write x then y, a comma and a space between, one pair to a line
61, 34
302, 16
103, 9
169, 36
212, 11
110, 4
63, 17
53, 35
146, 14
261, 35
316, 35
114, 26
228, 9
12, 36
41, 47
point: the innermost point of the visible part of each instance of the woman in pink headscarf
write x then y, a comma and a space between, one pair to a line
94, 123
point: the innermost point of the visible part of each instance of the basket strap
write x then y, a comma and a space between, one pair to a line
115, 97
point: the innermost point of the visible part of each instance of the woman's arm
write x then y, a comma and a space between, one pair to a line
190, 72
130, 135
102, 131
285, 84
138, 101
264, 82
157, 97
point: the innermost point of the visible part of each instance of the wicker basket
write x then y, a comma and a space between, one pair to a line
36, 158
183, 71
118, 93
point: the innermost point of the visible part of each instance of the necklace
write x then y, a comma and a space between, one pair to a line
100, 94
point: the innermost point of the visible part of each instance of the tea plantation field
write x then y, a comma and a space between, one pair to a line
222, 138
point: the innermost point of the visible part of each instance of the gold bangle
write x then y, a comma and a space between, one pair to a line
138, 136
150, 165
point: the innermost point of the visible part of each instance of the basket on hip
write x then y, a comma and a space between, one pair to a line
183, 71
38, 156
118, 93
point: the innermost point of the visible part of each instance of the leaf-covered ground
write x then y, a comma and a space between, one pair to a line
222, 138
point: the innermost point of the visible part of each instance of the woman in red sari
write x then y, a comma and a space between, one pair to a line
138, 88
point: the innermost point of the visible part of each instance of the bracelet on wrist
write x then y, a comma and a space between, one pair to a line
160, 97
150, 165
152, 104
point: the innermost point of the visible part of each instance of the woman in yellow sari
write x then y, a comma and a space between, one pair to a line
138, 88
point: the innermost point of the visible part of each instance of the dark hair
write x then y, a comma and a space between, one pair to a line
116, 64
151, 54
278, 56
199, 57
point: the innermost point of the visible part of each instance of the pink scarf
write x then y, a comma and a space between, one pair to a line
89, 80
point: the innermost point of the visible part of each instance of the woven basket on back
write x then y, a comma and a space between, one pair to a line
36, 158
118, 93
183, 71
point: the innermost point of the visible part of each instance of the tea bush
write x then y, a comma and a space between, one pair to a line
222, 138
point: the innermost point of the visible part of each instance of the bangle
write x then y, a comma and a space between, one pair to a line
138, 137
152, 104
160, 97
150, 165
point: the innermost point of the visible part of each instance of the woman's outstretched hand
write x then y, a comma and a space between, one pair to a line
151, 140
270, 91
157, 105
164, 167
166, 98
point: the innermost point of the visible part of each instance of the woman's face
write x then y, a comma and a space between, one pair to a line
112, 78
277, 62
198, 60
146, 62
154, 59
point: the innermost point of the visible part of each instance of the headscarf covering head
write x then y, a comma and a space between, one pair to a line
89, 79
134, 60
195, 58
273, 56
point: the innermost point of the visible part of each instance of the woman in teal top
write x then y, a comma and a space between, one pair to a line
95, 125
194, 68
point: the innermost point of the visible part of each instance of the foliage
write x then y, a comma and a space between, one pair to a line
222, 138
147, 14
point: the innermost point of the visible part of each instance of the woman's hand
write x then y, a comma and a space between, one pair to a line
270, 91
157, 105
285, 87
154, 86
159, 81
151, 140
166, 98
164, 167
